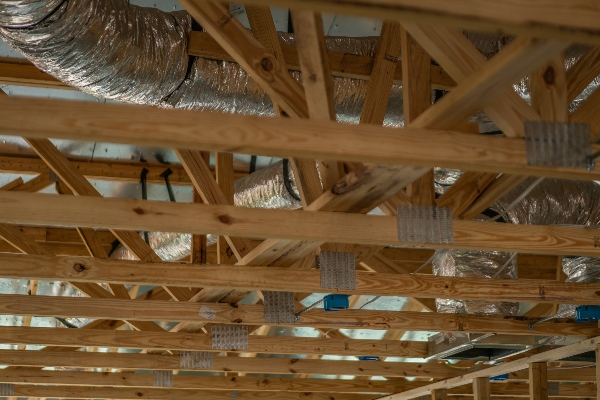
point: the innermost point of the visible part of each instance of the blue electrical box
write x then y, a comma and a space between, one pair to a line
502, 377
368, 358
587, 314
336, 302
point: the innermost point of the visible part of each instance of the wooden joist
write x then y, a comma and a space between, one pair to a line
577, 22
516, 365
202, 342
93, 270
312, 227
266, 136
233, 314
124, 361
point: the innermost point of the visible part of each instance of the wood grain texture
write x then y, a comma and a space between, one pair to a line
313, 226
345, 65
240, 364
576, 22
228, 314
253, 57
583, 72
538, 381
82, 269
515, 365
12, 184
481, 388
267, 136
202, 342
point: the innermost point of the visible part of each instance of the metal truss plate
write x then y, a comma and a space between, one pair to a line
229, 337
425, 224
279, 307
338, 270
196, 359
557, 144
163, 378
7, 389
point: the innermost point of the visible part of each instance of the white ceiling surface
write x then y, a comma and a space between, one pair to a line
334, 25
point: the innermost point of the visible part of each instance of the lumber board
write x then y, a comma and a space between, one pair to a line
573, 21
254, 58
84, 392
538, 381
516, 365
202, 342
345, 65
233, 314
148, 126
109, 170
313, 226
200, 383
91, 270
583, 72
228, 364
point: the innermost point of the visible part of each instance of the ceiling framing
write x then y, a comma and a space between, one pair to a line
342, 172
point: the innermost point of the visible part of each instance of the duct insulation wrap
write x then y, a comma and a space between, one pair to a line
579, 269
475, 264
265, 188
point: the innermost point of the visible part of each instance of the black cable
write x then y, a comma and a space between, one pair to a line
66, 323
252, 164
287, 181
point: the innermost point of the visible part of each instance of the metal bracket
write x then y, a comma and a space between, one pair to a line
196, 359
7, 389
279, 307
143, 175
165, 176
553, 389
338, 270
163, 378
558, 144
229, 337
425, 224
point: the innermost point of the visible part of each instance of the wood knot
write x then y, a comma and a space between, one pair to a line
549, 75
78, 267
266, 64
225, 219
139, 210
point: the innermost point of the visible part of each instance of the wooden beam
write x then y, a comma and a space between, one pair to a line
266, 136
597, 351
200, 383
586, 69
416, 92
126, 361
538, 381
119, 309
12, 184
253, 57
202, 342
439, 394
516, 365
85, 392
315, 227
559, 375
110, 171
342, 64
574, 22
83, 269
482, 388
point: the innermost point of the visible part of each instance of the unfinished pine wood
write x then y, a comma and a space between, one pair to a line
342, 64
583, 72
202, 342
267, 136
36, 184
225, 180
111, 171
120, 309
597, 351
259, 63
180, 381
439, 394
559, 375
417, 99
516, 365
482, 388
587, 112
85, 392
314, 226
573, 21
538, 381
83, 269
238, 364
12, 184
